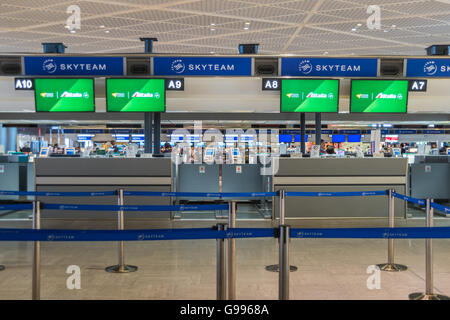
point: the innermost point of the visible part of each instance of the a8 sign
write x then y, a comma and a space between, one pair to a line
24, 83
271, 84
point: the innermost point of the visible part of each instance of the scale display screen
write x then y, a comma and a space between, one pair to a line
135, 95
309, 95
64, 95
379, 96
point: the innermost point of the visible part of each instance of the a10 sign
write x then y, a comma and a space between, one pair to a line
24, 83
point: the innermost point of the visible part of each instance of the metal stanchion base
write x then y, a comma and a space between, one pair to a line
2, 268
423, 296
276, 268
392, 267
121, 269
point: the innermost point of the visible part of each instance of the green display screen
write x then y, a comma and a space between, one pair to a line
64, 95
379, 96
309, 95
135, 95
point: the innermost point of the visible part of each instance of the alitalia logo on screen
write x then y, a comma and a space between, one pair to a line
381, 95
312, 95
65, 94
138, 94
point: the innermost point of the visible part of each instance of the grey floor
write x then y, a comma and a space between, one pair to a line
328, 268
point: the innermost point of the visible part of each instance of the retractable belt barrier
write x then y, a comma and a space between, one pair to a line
99, 207
132, 235
422, 202
58, 194
24, 206
337, 194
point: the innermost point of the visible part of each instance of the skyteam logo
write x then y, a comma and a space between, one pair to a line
430, 68
178, 66
305, 67
49, 66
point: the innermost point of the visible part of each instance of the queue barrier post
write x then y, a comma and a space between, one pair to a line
283, 279
428, 294
282, 197
221, 266
390, 265
231, 253
121, 267
36, 273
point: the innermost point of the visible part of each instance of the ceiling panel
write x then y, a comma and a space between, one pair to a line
200, 25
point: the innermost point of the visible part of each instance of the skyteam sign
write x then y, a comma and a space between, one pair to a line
428, 67
202, 66
329, 67
74, 66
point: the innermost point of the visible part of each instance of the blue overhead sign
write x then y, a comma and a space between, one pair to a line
329, 67
202, 66
428, 67
73, 66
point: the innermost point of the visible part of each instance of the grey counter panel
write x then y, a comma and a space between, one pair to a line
191, 180
312, 207
104, 167
104, 174
339, 175
250, 180
109, 200
342, 167
432, 183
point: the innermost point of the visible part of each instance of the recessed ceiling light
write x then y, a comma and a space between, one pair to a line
359, 24
247, 23
394, 26
245, 28
73, 31
213, 24
212, 29
212, 52
102, 26
106, 31
67, 27
326, 52
354, 29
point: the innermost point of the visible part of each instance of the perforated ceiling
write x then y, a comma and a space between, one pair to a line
316, 27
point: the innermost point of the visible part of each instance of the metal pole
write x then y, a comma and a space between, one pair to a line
283, 280
221, 266
428, 295
232, 253
282, 196
121, 267
390, 265
36, 276
302, 133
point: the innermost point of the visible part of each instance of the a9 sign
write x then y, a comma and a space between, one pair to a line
24, 83
175, 84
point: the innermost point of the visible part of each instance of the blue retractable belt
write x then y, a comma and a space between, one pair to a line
95, 207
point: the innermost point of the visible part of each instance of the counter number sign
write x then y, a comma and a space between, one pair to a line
175, 84
271, 84
418, 85
24, 83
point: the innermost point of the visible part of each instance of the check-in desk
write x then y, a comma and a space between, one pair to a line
213, 178
104, 174
16, 174
429, 177
340, 175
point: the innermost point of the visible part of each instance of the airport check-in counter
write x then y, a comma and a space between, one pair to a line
429, 177
16, 174
213, 178
104, 174
341, 175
